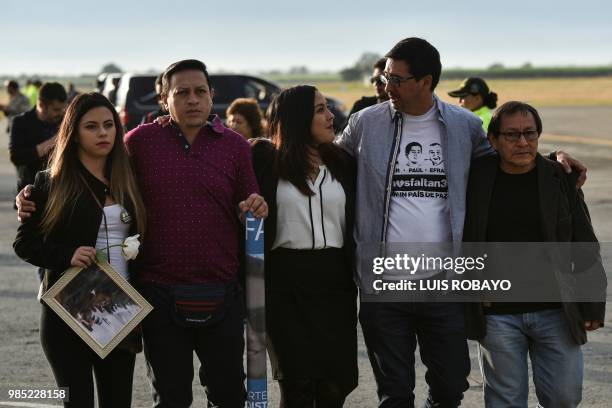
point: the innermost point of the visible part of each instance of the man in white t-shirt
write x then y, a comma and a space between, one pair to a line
416, 210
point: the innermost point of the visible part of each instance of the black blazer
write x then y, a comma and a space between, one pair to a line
78, 226
564, 218
264, 155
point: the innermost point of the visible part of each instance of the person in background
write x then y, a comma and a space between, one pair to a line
33, 133
31, 90
112, 94
379, 86
87, 199
311, 299
244, 116
151, 116
18, 102
72, 92
27, 89
474, 95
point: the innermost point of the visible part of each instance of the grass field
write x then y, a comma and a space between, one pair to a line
539, 92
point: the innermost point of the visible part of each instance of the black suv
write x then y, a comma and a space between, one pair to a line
136, 96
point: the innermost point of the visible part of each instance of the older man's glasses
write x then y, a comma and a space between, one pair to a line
394, 80
514, 136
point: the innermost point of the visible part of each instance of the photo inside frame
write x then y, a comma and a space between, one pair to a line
97, 304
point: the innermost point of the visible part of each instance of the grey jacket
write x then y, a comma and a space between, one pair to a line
373, 137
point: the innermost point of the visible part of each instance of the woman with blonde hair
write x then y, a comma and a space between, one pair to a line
87, 199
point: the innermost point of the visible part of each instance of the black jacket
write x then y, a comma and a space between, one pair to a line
78, 226
363, 103
564, 218
27, 131
264, 155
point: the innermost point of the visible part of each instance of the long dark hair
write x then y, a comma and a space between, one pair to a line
64, 165
290, 116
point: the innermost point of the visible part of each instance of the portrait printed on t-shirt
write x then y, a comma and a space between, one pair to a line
420, 171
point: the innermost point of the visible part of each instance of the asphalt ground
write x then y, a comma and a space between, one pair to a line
585, 132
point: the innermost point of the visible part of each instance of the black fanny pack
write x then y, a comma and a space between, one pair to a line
202, 304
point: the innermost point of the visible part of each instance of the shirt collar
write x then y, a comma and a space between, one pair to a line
214, 123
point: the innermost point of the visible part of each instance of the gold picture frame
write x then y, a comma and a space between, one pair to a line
98, 304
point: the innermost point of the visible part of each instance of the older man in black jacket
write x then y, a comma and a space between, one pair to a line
519, 196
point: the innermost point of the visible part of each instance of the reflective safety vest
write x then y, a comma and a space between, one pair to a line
485, 115
32, 93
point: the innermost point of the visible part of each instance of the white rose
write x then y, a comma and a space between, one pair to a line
130, 246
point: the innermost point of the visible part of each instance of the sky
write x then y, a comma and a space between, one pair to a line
69, 37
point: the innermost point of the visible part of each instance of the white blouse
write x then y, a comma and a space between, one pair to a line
314, 222
117, 233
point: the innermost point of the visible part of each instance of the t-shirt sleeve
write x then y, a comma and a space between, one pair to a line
348, 140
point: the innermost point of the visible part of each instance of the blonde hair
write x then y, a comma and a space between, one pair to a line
66, 182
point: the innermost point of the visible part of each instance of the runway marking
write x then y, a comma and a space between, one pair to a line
596, 141
27, 405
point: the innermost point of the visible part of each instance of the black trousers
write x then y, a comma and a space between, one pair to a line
169, 352
72, 362
311, 316
391, 332
311, 394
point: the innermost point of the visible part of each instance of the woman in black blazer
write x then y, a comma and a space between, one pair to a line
308, 183
87, 198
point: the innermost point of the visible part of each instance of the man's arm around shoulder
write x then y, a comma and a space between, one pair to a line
480, 143
134, 137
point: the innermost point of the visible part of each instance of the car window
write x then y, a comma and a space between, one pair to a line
143, 89
224, 93
253, 89
140, 94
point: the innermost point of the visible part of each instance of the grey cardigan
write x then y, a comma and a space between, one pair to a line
373, 137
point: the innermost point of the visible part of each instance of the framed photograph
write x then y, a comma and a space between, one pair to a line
98, 304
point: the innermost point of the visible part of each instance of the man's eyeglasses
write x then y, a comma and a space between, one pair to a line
394, 80
513, 137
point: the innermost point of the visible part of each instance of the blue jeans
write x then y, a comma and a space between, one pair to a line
391, 332
556, 360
